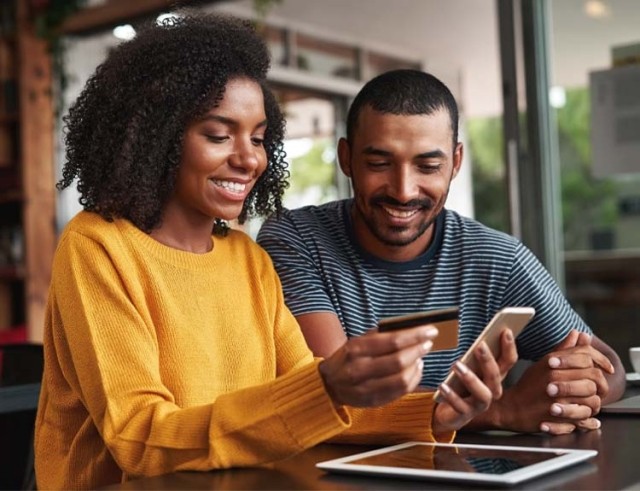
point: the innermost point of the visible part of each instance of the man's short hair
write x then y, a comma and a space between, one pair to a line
404, 92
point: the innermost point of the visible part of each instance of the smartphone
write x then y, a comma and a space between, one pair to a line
446, 320
515, 318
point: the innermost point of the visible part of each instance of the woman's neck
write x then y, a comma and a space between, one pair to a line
185, 235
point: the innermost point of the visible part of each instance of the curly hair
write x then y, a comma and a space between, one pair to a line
124, 133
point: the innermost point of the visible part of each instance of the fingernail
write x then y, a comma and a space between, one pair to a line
556, 409
462, 367
431, 332
509, 335
445, 388
552, 389
544, 428
554, 362
598, 424
420, 364
426, 346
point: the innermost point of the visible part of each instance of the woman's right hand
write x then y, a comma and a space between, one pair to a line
377, 368
455, 411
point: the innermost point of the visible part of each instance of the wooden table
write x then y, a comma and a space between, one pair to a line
617, 465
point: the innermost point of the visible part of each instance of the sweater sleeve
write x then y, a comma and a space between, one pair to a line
108, 352
406, 419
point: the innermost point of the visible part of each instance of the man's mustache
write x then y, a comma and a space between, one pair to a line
426, 204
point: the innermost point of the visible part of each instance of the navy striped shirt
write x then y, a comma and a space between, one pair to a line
323, 269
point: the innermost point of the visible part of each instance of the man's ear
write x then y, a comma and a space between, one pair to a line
344, 156
458, 152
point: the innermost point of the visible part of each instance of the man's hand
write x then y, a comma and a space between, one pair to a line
561, 392
377, 368
579, 385
484, 388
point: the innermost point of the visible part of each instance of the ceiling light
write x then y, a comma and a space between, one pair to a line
597, 9
557, 97
171, 18
125, 32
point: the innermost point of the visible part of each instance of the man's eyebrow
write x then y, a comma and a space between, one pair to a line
376, 151
433, 154
228, 121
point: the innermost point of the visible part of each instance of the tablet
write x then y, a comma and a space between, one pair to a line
481, 464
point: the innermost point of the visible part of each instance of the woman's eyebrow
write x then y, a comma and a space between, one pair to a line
228, 121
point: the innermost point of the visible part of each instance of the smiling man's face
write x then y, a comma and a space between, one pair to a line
401, 168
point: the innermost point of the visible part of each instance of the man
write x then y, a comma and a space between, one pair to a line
394, 249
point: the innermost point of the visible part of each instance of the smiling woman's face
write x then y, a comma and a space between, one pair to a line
222, 156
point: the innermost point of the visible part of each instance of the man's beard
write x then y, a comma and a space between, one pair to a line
386, 239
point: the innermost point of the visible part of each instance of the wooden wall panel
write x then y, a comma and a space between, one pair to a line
36, 140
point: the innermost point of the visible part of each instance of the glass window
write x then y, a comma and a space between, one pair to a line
326, 58
310, 147
277, 43
596, 97
599, 208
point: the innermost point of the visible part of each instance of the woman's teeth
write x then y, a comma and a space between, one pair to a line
235, 187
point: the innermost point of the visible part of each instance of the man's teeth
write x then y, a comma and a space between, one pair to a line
235, 187
399, 213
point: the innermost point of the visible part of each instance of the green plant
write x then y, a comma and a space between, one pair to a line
312, 170
49, 15
262, 7
589, 204
491, 202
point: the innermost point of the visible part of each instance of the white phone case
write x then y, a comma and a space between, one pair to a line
515, 318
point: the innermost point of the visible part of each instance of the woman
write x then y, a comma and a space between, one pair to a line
169, 348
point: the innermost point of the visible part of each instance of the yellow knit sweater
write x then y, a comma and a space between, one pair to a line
159, 360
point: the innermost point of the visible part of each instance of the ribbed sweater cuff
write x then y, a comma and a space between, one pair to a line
414, 411
306, 408
406, 419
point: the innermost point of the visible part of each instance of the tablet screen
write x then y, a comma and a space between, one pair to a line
456, 458
496, 464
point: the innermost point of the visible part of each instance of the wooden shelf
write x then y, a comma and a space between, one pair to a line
27, 198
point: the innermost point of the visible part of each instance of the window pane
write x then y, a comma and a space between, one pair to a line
600, 204
326, 58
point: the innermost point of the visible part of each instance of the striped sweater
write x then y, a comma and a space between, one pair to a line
323, 269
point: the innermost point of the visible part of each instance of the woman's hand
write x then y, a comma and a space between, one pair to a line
377, 368
456, 411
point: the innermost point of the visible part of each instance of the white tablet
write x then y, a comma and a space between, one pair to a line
482, 464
